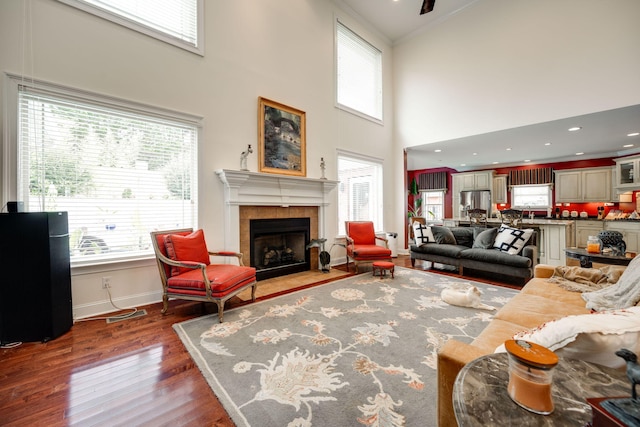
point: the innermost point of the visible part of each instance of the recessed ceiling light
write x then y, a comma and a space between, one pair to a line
633, 134
475, 154
495, 163
547, 143
579, 154
627, 146
438, 150
526, 161
463, 164
575, 128
508, 149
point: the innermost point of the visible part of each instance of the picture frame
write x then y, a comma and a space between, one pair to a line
282, 145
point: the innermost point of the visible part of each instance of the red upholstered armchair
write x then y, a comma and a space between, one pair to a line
361, 244
187, 273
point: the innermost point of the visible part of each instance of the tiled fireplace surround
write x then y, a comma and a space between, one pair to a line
251, 195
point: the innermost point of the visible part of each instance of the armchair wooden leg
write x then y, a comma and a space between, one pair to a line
220, 309
253, 291
165, 303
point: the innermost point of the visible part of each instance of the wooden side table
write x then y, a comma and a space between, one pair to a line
480, 395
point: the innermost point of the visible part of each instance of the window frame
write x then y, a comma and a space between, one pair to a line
11, 149
197, 48
549, 192
379, 120
376, 192
425, 210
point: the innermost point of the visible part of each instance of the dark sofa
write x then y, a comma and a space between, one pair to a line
471, 247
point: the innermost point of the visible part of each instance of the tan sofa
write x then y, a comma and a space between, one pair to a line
539, 301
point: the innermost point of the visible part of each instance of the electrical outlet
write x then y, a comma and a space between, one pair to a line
106, 282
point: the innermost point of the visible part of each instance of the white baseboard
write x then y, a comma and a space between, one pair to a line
82, 311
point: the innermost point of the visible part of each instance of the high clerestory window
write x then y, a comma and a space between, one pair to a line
119, 169
178, 22
358, 74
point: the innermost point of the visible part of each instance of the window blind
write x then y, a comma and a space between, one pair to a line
359, 73
175, 21
119, 173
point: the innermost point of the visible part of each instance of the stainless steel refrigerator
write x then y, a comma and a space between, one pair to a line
478, 199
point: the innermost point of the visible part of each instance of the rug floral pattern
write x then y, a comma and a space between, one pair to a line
358, 351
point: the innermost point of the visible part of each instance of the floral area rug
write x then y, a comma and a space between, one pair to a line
357, 351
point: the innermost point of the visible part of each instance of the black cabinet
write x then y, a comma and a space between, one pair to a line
35, 276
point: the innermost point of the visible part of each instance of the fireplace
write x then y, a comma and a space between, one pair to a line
278, 246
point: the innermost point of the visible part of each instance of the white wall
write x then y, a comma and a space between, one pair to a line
279, 49
500, 64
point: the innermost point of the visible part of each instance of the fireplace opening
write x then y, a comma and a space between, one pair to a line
278, 246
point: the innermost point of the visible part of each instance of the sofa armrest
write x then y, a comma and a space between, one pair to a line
451, 359
531, 252
544, 271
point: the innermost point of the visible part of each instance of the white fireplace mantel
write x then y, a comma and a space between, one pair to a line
244, 188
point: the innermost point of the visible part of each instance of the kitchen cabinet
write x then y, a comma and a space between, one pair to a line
499, 194
628, 173
586, 228
552, 240
630, 233
583, 185
482, 180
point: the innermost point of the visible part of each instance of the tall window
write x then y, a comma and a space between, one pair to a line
359, 73
433, 201
178, 22
360, 190
120, 171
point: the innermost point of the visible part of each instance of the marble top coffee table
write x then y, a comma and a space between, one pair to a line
480, 395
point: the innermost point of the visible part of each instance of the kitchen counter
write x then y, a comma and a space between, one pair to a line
534, 221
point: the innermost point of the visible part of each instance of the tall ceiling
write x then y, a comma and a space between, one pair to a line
601, 135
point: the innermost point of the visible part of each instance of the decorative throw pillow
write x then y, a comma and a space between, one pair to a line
592, 337
484, 239
422, 234
512, 240
191, 247
443, 235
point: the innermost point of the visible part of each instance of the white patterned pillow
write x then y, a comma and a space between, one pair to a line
512, 240
422, 234
592, 337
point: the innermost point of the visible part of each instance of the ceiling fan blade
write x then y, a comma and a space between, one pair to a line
427, 6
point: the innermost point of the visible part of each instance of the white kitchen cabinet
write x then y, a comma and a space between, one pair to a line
499, 189
586, 228
628, 173
553, 239
482, 180
583, 185
630, 233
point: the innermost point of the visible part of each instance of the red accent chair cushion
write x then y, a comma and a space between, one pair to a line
362, 233
224, 278
191, 247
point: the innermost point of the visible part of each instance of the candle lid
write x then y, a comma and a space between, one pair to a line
531, 353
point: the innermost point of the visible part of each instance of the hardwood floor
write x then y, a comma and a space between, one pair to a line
132, 372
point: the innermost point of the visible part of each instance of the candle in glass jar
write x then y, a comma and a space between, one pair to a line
593, 245
531, 394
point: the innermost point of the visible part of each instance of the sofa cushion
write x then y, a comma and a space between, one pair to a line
484, 238
531, 310
446, 250
592, 337
551, 290
495, 334
463, 235
493, 256
422, 234
512, 240
191, 247
443, 235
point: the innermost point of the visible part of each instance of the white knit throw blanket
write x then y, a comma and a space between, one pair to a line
625, 293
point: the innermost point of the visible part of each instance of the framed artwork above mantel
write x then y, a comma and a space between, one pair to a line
282, 146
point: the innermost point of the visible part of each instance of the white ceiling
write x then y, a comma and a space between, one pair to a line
603, 134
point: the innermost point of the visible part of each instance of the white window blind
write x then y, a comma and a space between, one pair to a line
359, 73
360, 191
119, 173
531, 196
178, 22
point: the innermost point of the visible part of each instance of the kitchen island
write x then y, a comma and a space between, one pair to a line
553, 235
